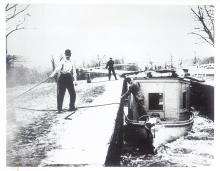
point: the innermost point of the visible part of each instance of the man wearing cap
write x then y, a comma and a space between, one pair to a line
135, 90
110, 67
67, 73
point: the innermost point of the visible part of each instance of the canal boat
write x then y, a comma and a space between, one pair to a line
167, 106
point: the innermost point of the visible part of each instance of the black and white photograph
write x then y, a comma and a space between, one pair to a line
117, 84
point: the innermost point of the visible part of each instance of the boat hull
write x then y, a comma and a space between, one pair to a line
167, 132
160, 133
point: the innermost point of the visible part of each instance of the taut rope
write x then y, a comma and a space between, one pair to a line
31, 88
79, 107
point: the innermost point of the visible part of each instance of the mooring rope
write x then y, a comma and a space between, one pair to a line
31, 88
43, 110
79, 107
127, 120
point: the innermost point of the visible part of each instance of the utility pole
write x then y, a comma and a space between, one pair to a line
195, 59
6, 41
171, 62
181, 62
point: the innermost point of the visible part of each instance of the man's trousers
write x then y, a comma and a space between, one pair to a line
65, 81
109, 73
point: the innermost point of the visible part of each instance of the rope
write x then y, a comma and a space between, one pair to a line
134, 122
38, 85
97, 105
80, 107
127, 120
43, 110
31, 88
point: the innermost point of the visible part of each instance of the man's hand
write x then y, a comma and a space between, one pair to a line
122, 99
51, 75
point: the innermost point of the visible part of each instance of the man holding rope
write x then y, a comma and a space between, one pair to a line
67, 74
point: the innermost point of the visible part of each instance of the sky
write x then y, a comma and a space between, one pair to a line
136, 32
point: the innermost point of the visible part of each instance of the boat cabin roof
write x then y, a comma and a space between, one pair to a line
161, 79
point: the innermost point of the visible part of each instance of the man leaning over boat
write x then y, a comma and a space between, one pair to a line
135, 90
134, 134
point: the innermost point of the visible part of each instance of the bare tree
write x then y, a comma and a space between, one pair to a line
15, 19
100, 59
204, 15
11, 59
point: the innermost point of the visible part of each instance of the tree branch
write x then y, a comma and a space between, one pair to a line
17, 13
211, 19
16, 29
11, 15
7, 8
203, 38
200, 11
206, 20
22, 22
207, 31
194, 12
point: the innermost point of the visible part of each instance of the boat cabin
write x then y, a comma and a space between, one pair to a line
167, 97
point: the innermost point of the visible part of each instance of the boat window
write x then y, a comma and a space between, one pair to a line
156, 101
184, 100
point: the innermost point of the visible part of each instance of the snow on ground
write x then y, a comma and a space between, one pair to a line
86, 137
46, 138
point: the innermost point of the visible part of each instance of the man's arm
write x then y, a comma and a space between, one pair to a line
57, 69
74, 74
107, 65
125, 95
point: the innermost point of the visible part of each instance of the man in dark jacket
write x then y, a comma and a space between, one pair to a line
110, 67
135, 90
136, 135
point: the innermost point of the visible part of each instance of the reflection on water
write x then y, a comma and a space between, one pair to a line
194, 149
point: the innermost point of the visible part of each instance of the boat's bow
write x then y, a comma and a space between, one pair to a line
164, 132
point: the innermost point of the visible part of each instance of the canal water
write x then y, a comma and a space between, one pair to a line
194, 149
